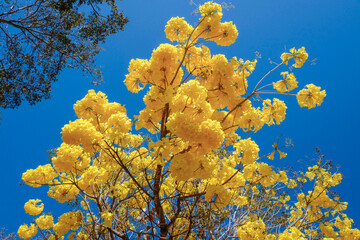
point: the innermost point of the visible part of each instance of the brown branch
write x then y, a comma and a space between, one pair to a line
17, 10
158, 208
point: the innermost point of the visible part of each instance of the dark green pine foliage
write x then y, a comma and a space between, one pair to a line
39, 38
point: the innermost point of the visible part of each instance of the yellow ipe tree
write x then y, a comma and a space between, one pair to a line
198, 174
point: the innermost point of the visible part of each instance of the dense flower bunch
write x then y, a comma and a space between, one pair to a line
32, 208
200, 170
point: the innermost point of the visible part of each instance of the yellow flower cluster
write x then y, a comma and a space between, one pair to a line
218, 195
252, 230
95, 107
188, 165
248, 150
31, 207
344, 226
210, 28
287, 84
275, 111
292, 233
68, 221
81, 132
310, 97
70, 158
251, 120
45, 222
26, 232
107, 216
39, 176
206, 135
92, 177
300, 56
211, 9
90, 105
63, 192
139, 75
177, 29
162, 69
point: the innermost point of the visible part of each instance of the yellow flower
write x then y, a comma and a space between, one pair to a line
245, 68
118, 123
68, 221
26, 232
39, 176
252, 230
32, 208
218, 195
310, 97
81, 131
251, 120
63, 192
248, 150
93, 176
300, 56
292, 233
285, 57
292, 183
282, 154
271, 156
163, 66
107, 216
275, 111
70, 157
91, 105
228, 34
61, 229
287, 84
139, 75
211, 9
177, 29
45, 222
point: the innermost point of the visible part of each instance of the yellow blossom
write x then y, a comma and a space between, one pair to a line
275, 111
282, 154
70, 157
31, 207
300, 56
287, 84
252, 230
177, 29
39, 176
26, 232
227, 34
81, 132
310, 97
139, 75
107, 216
45, 221
248, 150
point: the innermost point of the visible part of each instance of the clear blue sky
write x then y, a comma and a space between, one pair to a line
329, 29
